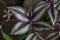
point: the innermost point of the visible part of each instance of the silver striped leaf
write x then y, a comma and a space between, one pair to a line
39, 11
19, 13
53, 15
31, 36
53, 36
41, 26
20, 28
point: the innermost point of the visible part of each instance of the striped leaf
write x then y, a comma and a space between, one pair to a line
31, 37
41, 26
20, 28
53, 15
19, 13
39, 10
53, 36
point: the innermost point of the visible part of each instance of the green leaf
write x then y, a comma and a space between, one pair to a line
20, 37
5, 36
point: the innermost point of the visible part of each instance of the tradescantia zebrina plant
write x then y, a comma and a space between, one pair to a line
31, 18
26, 21
34, 36
56, 33
50, 6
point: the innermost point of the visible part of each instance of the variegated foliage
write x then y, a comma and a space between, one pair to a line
27, 21
34, 36
31, 17
50, 6
56, 34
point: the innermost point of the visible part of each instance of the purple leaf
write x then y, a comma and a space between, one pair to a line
17, 8
37, 16
31, 37
20, 28
19, 13
53, 36
39, 10
33, 15
39, 7
40, 26
39, 36
53, 15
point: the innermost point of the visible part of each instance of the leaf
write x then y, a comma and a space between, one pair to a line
5, 36
19, 13
39, 36
31, 37
40, 26
42, 3
53, 36
39, 11
20, 28
58, 7
59, 32
39, 7
53, 15
20, 37
29, 12
17, 9
57, 3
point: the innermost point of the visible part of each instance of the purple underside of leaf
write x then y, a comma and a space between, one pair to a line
20, 28
53, 15
40, 26
31, 37
19, 13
